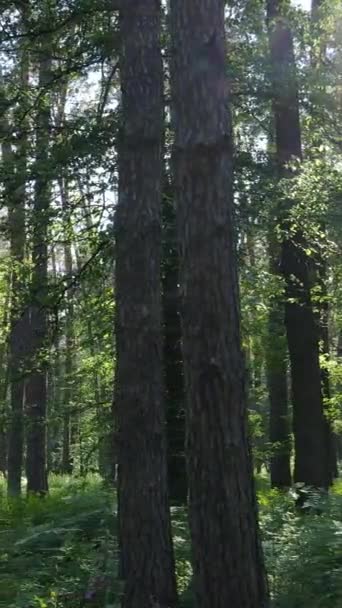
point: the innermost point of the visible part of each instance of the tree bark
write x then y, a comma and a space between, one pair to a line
173, 358
67, 460
309, 426
227, 556
36, 387
277, 370
147, 565
16, 165
55, 382
4, 383
318, 56
15, 361
276, 355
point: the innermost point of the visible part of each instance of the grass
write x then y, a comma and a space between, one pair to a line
61, 552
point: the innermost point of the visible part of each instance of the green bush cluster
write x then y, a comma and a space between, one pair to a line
303, 550
61, 552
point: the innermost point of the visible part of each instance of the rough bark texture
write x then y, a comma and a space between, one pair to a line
147, 565
36, 387
227, 557
311, 450
173, 358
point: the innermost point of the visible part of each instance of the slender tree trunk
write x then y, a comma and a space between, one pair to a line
55, 383
318, 56
227, 555
279, 423
67, 463
254, 375
3, 427
147, 565
173, 358
18, 335
309, 426
325, 376
276, 354
277, 367
107, 453
4, 384
339, 389
16, 193
36, 387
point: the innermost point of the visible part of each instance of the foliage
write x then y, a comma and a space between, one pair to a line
303, 550
61, 550
58, 551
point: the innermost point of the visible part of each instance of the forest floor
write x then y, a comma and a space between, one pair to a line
61, 552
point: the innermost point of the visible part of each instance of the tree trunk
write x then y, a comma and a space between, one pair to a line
278, 396
4, 383
318, 56
276, 355
16, 168
227, 555
339, 389
325, 376
173, 359
309, 426
147, 565
36, 387
67, 461
55, 382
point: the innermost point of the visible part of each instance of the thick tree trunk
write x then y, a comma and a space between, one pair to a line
227, 556
173, 358
147, 565
36, 386
309, 426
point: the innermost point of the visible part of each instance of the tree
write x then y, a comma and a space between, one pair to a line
67, 464
227, 557
147, 565
309, 427
36, 386
318, 56
277, 382
173, 359
15, 164
277, 367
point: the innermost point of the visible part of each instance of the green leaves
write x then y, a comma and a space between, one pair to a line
51, 548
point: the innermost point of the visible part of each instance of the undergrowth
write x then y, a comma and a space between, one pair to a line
61, 552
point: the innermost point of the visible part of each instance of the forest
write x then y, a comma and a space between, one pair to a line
170, 304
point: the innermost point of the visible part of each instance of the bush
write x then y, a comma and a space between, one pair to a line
303, 550
60, 550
